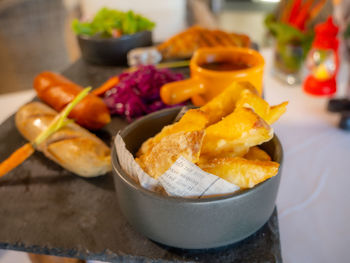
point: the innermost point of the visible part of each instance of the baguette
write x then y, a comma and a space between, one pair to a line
57, 91
72, 147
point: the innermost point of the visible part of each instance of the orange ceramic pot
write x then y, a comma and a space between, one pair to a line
205, 84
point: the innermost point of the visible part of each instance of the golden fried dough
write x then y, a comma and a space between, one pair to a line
261, 107
276, 112
169, 149
226, 101
193, 120
221, 137
241, 172
254, 153
257, 154
235, 134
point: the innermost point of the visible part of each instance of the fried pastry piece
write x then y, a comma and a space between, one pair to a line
241, 172
193, 120
254, 154
212, 112
257, 154
235, 134
184, 44
261, 107
226, 101
276, 112
169, 149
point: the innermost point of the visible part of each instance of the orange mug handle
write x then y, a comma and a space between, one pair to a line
180, 91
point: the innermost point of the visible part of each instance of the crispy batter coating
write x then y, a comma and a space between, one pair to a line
221, 137
169, 149
235, 134
193, 120
261, 107
257, 154
241, 172
226, 101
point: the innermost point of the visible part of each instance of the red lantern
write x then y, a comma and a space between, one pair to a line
323, 60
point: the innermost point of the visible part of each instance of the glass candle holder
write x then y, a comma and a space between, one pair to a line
288, 62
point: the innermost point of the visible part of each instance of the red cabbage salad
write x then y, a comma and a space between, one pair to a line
137, 92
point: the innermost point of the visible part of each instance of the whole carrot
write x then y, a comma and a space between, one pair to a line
316, 9
294, 10
286, 9
303, 15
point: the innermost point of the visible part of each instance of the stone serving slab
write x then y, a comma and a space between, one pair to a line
45, 209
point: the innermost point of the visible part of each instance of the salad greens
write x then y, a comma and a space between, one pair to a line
112, 23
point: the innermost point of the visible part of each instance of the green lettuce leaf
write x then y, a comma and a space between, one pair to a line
108, 20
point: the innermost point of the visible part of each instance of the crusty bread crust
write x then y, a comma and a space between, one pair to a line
72, 147
184, 44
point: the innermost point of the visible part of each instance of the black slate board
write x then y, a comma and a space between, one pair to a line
47, 210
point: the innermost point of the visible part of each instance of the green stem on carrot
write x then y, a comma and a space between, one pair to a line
61, 119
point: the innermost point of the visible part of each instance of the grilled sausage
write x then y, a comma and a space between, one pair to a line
57, 92
72, 147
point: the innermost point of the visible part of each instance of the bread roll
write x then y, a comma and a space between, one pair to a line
72, 147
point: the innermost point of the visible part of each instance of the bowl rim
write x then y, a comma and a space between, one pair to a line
113, 39
258, 67
127, 179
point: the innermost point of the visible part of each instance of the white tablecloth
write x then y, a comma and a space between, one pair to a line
313, 199
313, 208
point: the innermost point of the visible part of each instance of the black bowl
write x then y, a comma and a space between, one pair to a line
112, 51
185, 222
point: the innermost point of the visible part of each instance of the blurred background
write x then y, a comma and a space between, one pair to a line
36, 35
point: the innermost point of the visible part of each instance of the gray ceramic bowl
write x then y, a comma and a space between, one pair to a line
112, 51
191, 223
